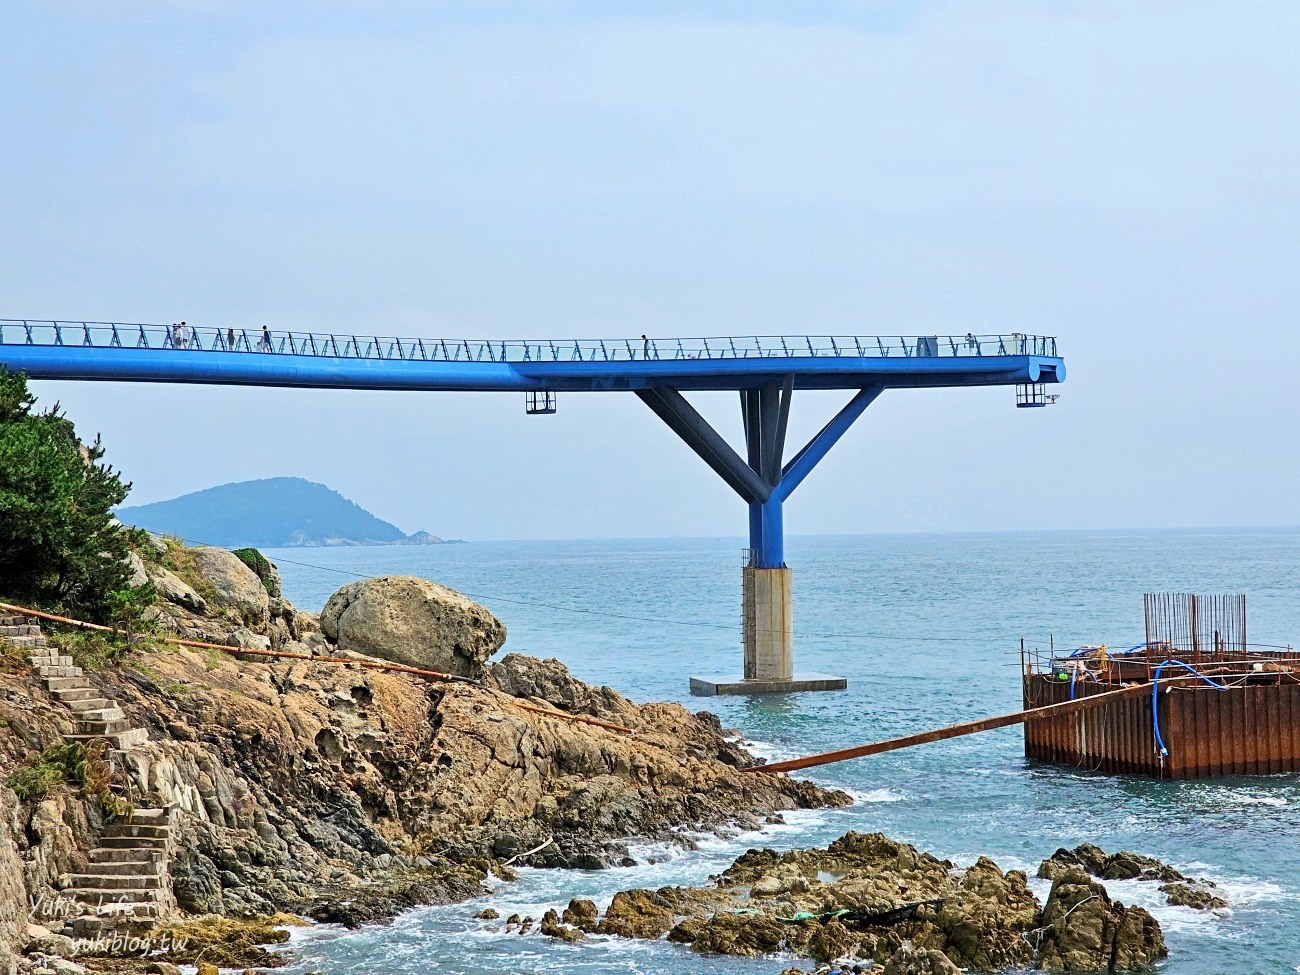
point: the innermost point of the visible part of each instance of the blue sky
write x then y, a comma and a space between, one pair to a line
1120, 175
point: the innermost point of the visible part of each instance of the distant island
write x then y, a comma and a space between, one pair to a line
278, 512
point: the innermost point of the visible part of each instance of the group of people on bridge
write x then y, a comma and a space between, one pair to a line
183, 337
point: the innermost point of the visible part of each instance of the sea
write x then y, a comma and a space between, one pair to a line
928, 631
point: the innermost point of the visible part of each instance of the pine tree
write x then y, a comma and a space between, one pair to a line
60, 546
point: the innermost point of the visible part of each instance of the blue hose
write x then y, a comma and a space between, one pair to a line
1155, 702
1074, 673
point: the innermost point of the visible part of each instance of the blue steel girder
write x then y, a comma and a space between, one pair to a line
172, 365
766, 371
761, 480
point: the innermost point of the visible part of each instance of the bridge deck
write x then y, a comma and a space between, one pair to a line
158, 353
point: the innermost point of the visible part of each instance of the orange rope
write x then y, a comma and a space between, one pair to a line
367, 664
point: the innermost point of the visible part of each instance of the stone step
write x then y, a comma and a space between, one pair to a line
151, 817
25, 642
74, 695
103, 898
51, 660
112, 881
8, 619
104, 855
48, 672
136, 844
122, 868
102, 729
82, 705
110, 713
138, 829
68, 684
123, 740
19, 629
122, 914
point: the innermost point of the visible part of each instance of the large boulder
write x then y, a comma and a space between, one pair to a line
235, 586
1083, 930
414, 622
175, 590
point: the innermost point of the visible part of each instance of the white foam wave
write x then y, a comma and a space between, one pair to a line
883, 794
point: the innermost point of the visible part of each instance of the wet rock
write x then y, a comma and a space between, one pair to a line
1192, 895
1123, 865
911, 960
356, 904
226, 942
648, 914
196, 881
870, 897
414, 622
582, 914
552, 928
487, 914
1083, 930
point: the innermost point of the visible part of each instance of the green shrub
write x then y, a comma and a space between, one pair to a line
59, 543
260, 564
37, 781
71, 764
91, 649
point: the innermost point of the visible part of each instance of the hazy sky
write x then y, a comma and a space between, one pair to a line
1122, 175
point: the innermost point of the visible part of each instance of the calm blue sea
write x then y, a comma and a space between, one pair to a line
927, 628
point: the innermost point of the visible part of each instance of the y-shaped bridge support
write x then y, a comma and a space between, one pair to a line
764, 484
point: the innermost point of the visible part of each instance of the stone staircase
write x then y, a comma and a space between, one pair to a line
126, 882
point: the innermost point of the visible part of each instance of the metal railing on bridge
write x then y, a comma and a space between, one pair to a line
206, 340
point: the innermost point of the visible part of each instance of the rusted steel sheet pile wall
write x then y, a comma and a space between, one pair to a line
1251, 729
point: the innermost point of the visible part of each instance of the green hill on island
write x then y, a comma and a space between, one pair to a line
277, 512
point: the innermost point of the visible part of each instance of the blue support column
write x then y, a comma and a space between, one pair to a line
767, 534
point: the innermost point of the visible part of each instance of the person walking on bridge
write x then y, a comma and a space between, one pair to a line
264, 343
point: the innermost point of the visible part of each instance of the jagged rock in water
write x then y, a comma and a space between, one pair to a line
1123, 865
1193, 896
911, 960
868, 897
582, 914
1179, 890
552, 928
647, 914
413, 622
1083, 930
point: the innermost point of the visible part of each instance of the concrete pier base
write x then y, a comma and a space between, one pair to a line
708, 686
768, 627
768, 633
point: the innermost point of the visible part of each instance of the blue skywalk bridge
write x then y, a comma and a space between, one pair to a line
764, 370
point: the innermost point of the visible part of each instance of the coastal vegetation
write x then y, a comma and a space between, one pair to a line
60, 546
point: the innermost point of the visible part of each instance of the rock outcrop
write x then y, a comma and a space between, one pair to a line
414, 622
234, 585
1179, 890
869, 898
1083, 930
349, 794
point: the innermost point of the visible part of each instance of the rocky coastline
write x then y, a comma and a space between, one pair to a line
870, 901
341, 793
321, 788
